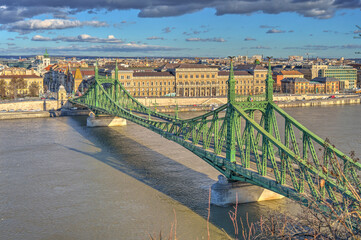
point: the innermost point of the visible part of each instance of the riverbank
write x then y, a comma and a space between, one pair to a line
22, 115
208, 105
322, 102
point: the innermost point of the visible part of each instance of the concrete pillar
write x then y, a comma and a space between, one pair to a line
105, 121
224, 193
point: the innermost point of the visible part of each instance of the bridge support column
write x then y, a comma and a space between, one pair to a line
105, 121
224, 193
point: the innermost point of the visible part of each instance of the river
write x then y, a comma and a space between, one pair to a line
62, 180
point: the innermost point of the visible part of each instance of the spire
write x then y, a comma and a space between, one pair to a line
46, 55
269, 82
231, 83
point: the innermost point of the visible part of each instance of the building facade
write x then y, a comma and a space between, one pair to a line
191, 80
295, 85
347, 76
29, 80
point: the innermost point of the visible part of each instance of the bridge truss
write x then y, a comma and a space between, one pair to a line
248, 139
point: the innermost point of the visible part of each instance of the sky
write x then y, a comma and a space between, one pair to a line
181, 28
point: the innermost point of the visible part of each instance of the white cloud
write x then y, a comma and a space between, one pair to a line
48, 24
205, 39
40, 38
79, 38
273, 30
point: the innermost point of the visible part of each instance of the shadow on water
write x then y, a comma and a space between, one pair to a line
164, 174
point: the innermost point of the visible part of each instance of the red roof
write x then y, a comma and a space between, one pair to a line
84, 72
49, 67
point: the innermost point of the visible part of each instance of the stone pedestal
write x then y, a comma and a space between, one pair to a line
224, 193
105, 121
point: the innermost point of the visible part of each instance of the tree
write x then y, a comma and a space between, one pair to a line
34, 90
15, 85
2, 88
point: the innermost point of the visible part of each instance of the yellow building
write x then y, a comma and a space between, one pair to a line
29, 79
190, 80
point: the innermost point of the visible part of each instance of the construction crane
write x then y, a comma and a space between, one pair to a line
358, 31
359, 36
308, 56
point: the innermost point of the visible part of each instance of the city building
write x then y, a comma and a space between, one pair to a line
295, 85
29, 80
295, 58
347, 75
316, 70
282, 75
190, 80
329, 85
70, 78
319, 85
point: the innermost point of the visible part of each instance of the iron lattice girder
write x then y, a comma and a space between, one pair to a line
211, 136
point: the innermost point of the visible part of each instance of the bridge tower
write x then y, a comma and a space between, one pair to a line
231, 140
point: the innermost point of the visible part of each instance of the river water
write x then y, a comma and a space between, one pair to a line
62, 180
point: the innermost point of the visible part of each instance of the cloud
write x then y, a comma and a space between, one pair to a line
196, 32
205, 39
48, 24
325, 47
80, 38
266, 26
273, 30
260, 47
249, 39
13, 11
22, 37
155, 38
291, 31
167, 29
11, 39
40, 38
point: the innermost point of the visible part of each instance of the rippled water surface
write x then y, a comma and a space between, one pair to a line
61, 180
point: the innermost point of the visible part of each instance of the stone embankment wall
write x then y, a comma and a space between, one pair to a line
29, 105
324, 102
20, 115
172, 101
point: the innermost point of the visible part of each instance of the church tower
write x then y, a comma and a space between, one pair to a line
46, 59
78, 78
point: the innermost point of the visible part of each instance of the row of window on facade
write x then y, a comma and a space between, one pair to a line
147, 83
195, 76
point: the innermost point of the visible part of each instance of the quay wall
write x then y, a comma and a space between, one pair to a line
325, 102
29, 105
171, 101
20, 115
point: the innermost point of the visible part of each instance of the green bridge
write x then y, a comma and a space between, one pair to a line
242, 140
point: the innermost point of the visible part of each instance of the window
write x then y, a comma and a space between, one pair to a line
121, 77
128, 77
213, 76
191, 76
185, 76
180, 75
202, 76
